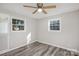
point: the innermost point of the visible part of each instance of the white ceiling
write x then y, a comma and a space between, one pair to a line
60, 8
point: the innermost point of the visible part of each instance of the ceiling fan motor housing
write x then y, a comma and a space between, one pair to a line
40, 5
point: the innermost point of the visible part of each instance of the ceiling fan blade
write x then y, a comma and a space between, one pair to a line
44, 11
48, 7
35, 11
29, 6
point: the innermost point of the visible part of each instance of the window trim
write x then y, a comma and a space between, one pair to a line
13, 17
49, 25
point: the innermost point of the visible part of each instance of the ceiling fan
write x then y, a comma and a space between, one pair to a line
41, 8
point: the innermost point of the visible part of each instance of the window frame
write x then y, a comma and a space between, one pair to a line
13, 17
53, 20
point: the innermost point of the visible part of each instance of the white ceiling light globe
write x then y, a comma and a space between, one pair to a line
39, 10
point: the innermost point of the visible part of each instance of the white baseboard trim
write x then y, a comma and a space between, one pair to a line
7, 50
74, 50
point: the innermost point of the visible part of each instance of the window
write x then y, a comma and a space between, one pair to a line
17, 25
54, 25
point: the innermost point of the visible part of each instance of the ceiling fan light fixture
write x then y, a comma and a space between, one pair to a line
39, 10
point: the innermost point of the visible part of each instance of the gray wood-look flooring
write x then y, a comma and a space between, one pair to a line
40, 49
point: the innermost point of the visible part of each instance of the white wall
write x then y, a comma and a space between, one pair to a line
3, 41
18, 39
69, 35
31, 28
3, 31
21, 37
